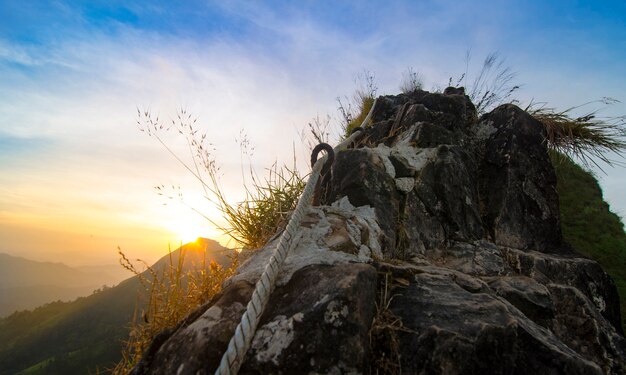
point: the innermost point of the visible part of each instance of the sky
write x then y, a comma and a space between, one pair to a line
77, 175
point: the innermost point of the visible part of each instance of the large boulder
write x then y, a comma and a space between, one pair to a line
438, 251
517, 182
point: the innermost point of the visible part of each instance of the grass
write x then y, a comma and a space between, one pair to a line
353, 111
589, 225
412, 81
588, 137
383, 334
250, 223
268, 201
173, 292
492, 86
364, 109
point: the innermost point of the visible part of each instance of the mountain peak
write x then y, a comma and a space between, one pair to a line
437, 245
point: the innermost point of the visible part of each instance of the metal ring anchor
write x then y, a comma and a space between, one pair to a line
325, 172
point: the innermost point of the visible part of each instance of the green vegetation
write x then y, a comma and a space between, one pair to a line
88, 334
97, 332
354, 111
364, 108
251, 222
583, 137
173, 291
69, 337
589, 225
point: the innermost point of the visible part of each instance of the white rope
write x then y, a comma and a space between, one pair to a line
241, 340
369, 115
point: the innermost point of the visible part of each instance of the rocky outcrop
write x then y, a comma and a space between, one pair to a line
438, 251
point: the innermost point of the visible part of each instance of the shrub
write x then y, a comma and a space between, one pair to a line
587, 137
492, 85
172, 293
411, 81
355, 110
249, 223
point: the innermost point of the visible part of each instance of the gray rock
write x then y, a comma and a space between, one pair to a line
365, 178
439, 251
517, 183
452, 330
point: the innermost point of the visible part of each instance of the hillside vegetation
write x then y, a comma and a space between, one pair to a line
589, 225
27, 284
86, 335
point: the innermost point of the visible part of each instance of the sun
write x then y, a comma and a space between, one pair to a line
188, 229
184, 225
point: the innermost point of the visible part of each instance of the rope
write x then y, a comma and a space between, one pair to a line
241, 340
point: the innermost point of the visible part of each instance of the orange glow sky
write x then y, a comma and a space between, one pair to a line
77, 177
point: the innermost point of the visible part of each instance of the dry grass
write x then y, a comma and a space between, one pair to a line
266, 208
492, 86
353, 111
268, 201
316, 132
364, 109
412, 81
588, 137
384, 342
172, 293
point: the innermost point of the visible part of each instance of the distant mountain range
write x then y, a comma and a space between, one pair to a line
85, 335
26, 284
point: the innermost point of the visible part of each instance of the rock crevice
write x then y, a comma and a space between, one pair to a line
441, 230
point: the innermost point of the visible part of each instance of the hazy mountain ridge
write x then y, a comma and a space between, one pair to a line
81, 336
75, 337
26, 284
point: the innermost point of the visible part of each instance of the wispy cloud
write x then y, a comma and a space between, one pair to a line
71, 78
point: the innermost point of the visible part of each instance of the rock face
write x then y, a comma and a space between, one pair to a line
438, 251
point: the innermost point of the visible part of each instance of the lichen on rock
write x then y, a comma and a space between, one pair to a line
461, 216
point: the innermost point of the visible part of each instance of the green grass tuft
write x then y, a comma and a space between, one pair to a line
587, 137
588, 223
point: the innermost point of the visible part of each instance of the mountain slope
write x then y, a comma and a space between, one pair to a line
80, 336
26, 284
589, 225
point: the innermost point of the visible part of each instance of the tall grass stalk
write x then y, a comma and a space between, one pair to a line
172, 293
353, 111
268, 201
588, 137
411, 81
492, 86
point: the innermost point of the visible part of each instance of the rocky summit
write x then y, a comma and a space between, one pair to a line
436, 249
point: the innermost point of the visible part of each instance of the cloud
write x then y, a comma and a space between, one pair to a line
70, 100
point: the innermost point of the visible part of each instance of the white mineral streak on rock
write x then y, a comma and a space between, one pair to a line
416, 157
205, 322
364, 253
484, 130
311, 249
597, 298
365, 216
383, 152
324, 299
405, 184
272, 338
531, 190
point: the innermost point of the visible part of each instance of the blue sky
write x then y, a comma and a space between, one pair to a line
76, 175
